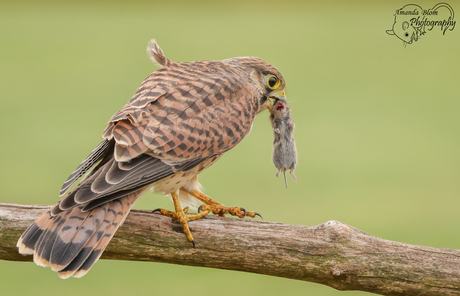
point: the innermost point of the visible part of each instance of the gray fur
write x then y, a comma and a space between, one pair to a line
284, 150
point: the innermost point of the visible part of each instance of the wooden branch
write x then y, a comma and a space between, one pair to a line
331, 253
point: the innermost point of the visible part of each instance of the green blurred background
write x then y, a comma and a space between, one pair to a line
377, 124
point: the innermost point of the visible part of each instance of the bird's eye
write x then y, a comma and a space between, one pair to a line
273, 82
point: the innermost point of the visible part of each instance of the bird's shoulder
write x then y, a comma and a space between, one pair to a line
188, 81
185, 110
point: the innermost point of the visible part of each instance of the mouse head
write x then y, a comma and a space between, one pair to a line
279, 110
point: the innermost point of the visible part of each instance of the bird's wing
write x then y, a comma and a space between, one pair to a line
185, 111
116, 179
100, 152
176, 120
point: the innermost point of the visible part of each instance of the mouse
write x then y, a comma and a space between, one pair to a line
284, 149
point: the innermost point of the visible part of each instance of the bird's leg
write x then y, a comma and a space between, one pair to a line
180, 216
218, 208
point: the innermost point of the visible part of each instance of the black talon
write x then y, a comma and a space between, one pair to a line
244, 211
156, 210
193, 243
200, 209
257, 214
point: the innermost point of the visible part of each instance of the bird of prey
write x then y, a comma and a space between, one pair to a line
181, 120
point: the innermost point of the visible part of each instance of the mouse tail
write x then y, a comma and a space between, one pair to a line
285, 180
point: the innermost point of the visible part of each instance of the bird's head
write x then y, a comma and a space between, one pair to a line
274, 89
268, 82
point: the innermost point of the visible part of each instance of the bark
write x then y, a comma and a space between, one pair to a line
331, 253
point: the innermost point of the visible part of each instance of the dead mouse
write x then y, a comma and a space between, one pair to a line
284, 151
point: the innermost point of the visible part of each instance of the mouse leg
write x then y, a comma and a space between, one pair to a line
279, 172
293, 176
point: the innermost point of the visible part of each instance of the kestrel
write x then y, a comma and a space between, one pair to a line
181, 120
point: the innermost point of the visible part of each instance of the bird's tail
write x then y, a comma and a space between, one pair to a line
72, 241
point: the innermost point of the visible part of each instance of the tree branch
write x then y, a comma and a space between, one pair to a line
331, 253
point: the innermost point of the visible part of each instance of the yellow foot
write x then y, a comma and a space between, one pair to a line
221, 210
179, 216
218, 208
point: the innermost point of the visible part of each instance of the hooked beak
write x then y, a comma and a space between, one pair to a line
280, 95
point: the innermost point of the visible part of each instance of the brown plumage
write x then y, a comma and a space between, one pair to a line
181, 120
284, 149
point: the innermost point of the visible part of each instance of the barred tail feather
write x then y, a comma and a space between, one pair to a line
77, 230
29, 238
72, 241
117, 219
44, 245
85, 257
